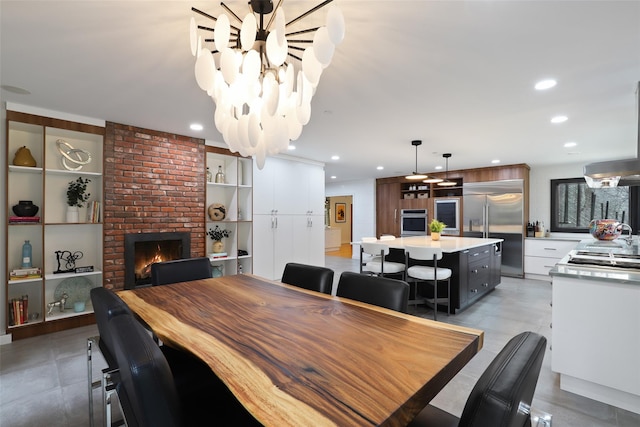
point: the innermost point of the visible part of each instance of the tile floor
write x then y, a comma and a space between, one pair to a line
43, 379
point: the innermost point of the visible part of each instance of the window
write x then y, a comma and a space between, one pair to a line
574, 205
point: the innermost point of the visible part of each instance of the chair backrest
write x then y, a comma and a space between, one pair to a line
312, 277
146, 388
180, 270
387, 237
380, 291
106, 306
423, 253
373, 248
369, 239
508, 382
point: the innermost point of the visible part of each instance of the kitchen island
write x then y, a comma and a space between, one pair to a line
474, 262
596, 322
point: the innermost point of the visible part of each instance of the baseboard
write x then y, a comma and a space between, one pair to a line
5, 339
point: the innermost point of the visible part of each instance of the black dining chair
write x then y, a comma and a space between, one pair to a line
180, 270
503, 394
312, 277
376, 290
151, 396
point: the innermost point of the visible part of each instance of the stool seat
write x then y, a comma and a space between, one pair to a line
375, 266
427, 273
372, 260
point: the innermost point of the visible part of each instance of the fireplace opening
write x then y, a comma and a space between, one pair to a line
144, 249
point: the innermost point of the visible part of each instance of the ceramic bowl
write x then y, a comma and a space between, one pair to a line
605, 229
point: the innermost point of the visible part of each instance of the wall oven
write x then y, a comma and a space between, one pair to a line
448, 211
413, 222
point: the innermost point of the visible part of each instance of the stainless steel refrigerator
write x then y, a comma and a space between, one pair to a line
496, 210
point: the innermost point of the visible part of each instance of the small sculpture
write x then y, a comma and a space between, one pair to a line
60, 303
69, 260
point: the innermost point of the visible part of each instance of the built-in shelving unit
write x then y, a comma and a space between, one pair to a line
46, 185
235, 194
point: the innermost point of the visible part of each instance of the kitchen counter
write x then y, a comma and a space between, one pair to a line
449, 244
596, 326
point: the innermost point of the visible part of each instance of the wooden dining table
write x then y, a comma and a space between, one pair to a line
295, 357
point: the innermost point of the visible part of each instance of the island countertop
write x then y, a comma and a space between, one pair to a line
449, 244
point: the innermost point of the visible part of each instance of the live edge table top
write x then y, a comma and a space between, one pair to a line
295, 357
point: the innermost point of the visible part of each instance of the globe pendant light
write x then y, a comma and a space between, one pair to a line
415, 175
446, 182
262, 101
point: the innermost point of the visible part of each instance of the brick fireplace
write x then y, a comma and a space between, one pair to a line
153, 183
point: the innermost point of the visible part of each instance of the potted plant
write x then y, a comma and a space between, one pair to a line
76, 197
217, 234
436, 228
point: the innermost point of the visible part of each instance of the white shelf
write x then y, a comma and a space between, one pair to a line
25, 169
20, 281
67, 275
71, 173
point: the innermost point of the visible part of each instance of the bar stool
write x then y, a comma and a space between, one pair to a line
430, 274
377, 265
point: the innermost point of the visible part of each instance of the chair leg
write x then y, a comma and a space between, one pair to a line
90, 378
448, 296
435, 299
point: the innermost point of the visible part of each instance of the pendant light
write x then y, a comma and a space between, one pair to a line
415, 175
446, 182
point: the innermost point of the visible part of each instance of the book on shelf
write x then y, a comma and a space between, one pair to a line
18, 310
217, 255
25, 273
93, 211
23, 219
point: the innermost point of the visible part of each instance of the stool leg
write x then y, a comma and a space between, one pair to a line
435, 299
90, 380
448, 296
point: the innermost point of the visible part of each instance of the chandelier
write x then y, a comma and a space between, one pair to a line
260, 76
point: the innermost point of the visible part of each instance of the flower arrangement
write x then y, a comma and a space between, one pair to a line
218, 233
76, 192
436, 226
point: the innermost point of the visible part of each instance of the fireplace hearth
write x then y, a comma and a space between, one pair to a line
143, 249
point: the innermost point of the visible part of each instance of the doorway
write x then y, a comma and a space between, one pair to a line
338, 225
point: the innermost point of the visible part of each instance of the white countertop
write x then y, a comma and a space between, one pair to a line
449, 244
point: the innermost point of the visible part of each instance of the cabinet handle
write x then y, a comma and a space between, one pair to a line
474, 291
486, 285
485, 266
550, 249
476, 254
475, 271
395, 215
276, 222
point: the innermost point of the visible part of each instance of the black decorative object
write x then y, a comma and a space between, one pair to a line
69, 260
25, 208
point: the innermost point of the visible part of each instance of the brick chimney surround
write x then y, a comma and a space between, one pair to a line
153, 182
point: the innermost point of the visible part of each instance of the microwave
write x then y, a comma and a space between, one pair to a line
448, 211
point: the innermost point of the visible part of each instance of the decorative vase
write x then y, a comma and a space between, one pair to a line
25, 208
435, 236
605, 229
216, 271
73, 215
23, 157
218, 246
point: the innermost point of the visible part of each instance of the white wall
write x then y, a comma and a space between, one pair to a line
364, 206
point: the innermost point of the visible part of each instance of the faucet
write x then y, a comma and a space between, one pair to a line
629, 239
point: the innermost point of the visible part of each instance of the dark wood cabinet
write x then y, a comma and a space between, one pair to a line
388, 208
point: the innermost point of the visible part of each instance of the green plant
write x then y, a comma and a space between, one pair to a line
76, 192
436, 226
218, 233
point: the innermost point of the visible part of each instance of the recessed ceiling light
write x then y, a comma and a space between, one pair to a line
494, 161
291, 147
438, 168
570, 144
559, 119
545, 84
380, 168
335, 157
196, 126
333, 177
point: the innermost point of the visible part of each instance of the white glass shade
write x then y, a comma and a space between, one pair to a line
323, 47
248, 32
251, 66
228, 65
222, 31
205, 68
280, 23
311, 67
335, 25
277, 53
193, 36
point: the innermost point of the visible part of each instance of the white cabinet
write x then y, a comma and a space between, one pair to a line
58, 247
232, 198
288, 215
540, 255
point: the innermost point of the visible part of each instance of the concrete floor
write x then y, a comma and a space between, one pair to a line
43, 380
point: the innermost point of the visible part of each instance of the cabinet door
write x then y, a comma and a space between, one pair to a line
315, 190
263, 245
283, 248
263, 188
308, 239
388, 209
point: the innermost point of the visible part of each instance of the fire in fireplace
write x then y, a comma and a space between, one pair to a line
143, 249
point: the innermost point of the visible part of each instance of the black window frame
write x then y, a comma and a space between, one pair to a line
634, 207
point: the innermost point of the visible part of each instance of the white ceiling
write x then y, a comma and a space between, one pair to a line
457, 74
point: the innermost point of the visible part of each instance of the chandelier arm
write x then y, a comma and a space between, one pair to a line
231, 12
273, 15
310, 30
299, 41
204, 14
201, 27
296, 47
294, 56
309, 12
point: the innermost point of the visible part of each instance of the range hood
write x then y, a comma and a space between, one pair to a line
625, 172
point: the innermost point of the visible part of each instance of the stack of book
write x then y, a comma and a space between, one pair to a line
93, 212
25, 273
19, 310
23, 219
217, 255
